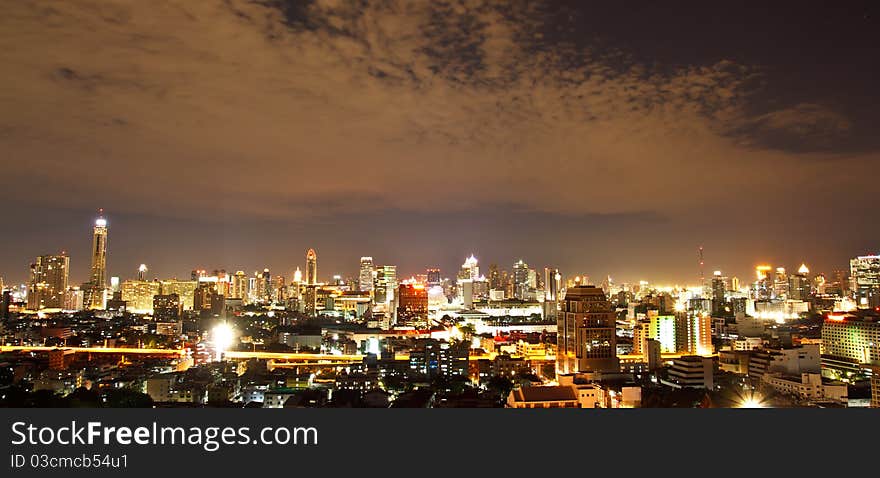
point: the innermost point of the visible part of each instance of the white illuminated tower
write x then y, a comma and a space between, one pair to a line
95, 289
99, 252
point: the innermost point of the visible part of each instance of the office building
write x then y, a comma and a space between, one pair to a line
854, 338
521, 274
167, 307
799, 287
412, 305
719, 287
691, 371
184, 289
365, 275
239, 287
865, 278
586, 332
138, 295
48, 282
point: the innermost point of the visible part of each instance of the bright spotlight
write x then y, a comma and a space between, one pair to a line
222, 337
752, 401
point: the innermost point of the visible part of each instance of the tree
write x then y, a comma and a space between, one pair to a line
83, 398
127, 398
500, 385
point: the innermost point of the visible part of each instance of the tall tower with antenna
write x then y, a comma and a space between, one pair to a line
702, 272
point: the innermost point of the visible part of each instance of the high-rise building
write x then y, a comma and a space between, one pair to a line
184, 289
851, 338
167, 307
495, 282
433, 278
279, 290
365, 275
385, 285
138, 295
470, 269
865, 277
99, 252
206, 300
266, 286
48, 282
799, 284
239, 286
73, 299
586, 332
94, 292
412, 305
780, 284
311, 267
5, 304
142, 272
520, 279
552, 283
718, 292
763, 287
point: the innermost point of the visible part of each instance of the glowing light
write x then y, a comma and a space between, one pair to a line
101, 222
752, 400
751, 403
836, 317
222, 336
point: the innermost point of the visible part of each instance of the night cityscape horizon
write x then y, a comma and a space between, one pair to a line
445, 204
700, 272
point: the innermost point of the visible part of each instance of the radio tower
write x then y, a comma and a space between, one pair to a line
702, 274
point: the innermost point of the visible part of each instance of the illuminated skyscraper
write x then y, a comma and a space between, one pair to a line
311, 267
266, 286
49, 276
142, 272
184, 289
799, 284
239, 286
495, 282
99, 253
365, 276
763, 287
865, 276
412, 308
94, 290
552, 287
780, 284
385, 286
586, 332
138, 295
718, 292
470, 269
520, 279
552, 283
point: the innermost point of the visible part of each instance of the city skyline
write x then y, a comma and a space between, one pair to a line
353, 271
596, 138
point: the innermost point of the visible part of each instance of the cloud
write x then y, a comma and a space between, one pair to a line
801, 127
289, 109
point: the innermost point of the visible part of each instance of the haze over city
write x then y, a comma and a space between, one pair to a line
591, 138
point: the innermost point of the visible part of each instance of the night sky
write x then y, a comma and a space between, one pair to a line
599, 139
